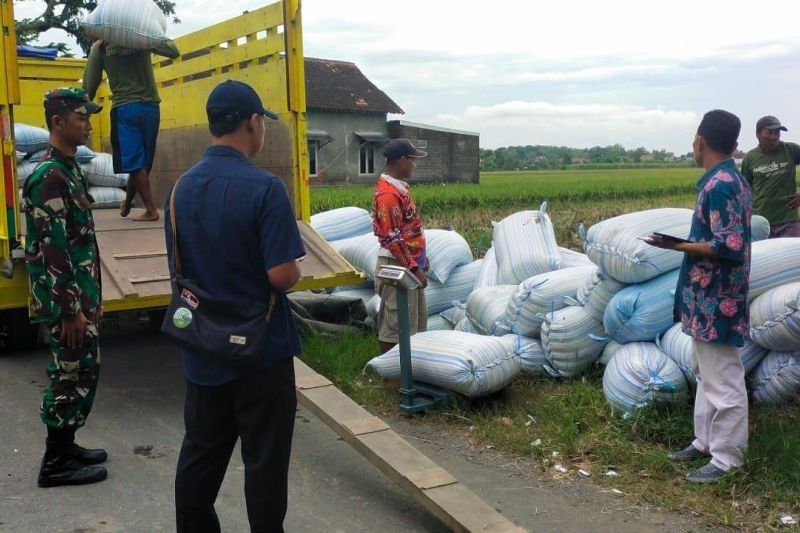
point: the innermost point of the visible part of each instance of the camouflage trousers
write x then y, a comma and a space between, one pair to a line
73, 377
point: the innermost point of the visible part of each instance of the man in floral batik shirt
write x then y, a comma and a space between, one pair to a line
711, 299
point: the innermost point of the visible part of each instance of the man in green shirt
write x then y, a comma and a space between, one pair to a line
135, 114
770, 169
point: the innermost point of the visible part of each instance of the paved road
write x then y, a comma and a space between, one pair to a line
138, 419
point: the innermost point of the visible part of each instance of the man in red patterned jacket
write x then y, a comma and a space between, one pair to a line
398, 226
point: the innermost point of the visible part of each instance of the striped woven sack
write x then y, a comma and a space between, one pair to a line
465, 325
342, 223
571, 258
440, 296
486, 308
643, 311
446, 251
596, 291
24, 170
677, 345
609, 351
525, 245
759, 228
773, 263
568, 343
106, 197
614, 246
776, 379
542, 294
454, 314
489, 271
530, 352
438, 323
100, 172
775, 318
360, 251
83, 155
30, 139
136, 24
472, 365
640, 374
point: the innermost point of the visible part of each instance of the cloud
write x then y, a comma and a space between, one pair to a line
578, 125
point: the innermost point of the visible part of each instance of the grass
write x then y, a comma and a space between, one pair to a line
571, 417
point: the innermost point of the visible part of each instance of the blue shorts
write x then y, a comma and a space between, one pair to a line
134, 131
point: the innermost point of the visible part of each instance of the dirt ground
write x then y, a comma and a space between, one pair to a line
138, 419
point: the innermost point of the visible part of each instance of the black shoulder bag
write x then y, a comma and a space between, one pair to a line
233, 331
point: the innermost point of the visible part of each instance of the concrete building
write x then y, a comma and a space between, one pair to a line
453, 155
347, 127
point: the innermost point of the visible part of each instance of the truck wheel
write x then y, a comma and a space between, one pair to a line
16, 331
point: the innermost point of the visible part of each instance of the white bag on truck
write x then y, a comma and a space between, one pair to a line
613, 244
30, 139
446, 250
775, 318
100, 172
567, 341
486, 308
640, 374
106, 197
137, 24
525, 245
342, 223
472, 365
542, 294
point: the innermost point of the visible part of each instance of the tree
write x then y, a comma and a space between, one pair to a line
66, 15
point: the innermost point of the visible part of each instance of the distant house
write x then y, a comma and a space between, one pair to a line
581, 160
453, 155
346, 116
347, 128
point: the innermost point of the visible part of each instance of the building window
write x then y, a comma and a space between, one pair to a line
422, 144
366, 159
313, 157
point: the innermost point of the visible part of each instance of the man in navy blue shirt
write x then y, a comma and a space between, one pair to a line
238, 240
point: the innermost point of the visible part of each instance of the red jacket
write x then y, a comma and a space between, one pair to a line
396, 222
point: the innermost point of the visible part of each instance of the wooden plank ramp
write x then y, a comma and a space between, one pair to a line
431, 486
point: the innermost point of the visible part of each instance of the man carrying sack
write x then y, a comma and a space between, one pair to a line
236, 250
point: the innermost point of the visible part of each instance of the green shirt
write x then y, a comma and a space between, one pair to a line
130, 72
772, 177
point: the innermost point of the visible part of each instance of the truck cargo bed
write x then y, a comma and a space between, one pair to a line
133, 260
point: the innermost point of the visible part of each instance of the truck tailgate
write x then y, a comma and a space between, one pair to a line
133, 259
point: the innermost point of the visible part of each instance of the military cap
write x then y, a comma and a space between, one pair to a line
72, 98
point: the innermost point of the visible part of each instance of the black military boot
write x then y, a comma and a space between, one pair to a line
61, 467
83, 455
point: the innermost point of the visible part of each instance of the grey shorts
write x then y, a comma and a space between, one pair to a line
388, 328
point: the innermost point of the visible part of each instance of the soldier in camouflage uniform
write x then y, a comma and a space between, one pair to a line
64, 269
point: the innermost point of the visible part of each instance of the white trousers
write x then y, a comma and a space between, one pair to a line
720, 406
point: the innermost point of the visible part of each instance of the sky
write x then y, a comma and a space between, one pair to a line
567, 72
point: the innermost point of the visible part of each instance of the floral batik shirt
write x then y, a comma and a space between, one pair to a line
397, 223
711, 296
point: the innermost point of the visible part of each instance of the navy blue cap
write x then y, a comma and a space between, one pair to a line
397, 148
233, 101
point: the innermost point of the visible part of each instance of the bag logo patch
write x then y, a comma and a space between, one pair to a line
182, 318
189, 298
237, 339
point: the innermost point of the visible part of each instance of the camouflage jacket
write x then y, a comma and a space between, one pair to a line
60, 247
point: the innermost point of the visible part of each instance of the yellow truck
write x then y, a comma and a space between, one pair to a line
263, 48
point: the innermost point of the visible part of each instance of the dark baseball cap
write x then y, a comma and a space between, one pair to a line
770, 123
397, 148
72, 98
233, 101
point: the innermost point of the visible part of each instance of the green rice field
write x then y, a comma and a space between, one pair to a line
572, 418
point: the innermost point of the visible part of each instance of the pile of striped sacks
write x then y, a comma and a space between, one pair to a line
560, 312
105, 186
